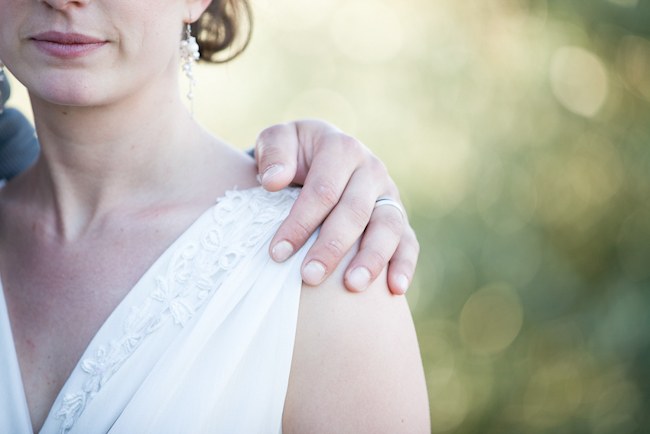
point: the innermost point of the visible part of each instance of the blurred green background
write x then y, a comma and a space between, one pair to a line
519, 133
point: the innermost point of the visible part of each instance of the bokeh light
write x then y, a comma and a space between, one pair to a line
491, 319
579, 80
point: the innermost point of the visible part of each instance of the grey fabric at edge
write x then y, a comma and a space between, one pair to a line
18, 144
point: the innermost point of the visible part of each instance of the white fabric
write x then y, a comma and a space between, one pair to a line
202, 343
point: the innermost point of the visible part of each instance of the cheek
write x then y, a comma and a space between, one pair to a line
153, 40
9, 20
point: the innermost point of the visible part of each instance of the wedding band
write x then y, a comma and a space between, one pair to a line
387, 201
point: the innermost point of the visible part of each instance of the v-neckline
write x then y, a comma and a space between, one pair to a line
15, 373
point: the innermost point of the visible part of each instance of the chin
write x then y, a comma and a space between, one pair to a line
71, 99
77, 93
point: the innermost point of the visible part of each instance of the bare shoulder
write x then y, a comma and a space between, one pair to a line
356, 365
230, 166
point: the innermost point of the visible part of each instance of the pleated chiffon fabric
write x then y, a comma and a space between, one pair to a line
201, 344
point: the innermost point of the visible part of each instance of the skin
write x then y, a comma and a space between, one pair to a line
356, 367
309, 153
340, 191
80, 227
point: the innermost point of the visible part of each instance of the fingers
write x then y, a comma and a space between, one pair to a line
378, 245
333, 164
276, 152
340, 231
387, 239
402, 265
342, 180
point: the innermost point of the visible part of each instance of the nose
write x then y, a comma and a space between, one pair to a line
65, 4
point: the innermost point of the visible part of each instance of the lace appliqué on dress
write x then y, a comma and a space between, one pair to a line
239, 221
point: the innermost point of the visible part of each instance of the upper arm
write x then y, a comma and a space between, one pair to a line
356, 365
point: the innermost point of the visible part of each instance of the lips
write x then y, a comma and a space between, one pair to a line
66, 45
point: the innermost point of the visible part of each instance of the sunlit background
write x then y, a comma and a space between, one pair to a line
519, 133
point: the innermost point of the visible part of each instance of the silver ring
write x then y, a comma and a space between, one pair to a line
387, 201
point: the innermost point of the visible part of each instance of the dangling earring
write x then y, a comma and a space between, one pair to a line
189, 55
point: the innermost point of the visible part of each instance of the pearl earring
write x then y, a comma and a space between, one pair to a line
189, 55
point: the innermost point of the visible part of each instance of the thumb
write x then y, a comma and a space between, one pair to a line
276, 152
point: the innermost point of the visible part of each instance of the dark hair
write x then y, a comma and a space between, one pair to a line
224, 30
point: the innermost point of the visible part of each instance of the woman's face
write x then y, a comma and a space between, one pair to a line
91, 52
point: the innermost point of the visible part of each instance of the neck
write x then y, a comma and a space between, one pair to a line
99, 159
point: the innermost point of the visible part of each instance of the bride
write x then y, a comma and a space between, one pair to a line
128, 304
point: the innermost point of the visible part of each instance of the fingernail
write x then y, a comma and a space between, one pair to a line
281, 251
313, 273
271, 171
402, 283
359, 278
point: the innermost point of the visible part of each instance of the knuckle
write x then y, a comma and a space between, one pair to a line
350, 143
393, 191
409, 265
379, 172
394, 222
404, 259
268, 138
267, 135
377, 167
344, 143
334, 248
375, 260
297, 230
326, 193
358, 214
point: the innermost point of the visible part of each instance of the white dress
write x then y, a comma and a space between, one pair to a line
201, 344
